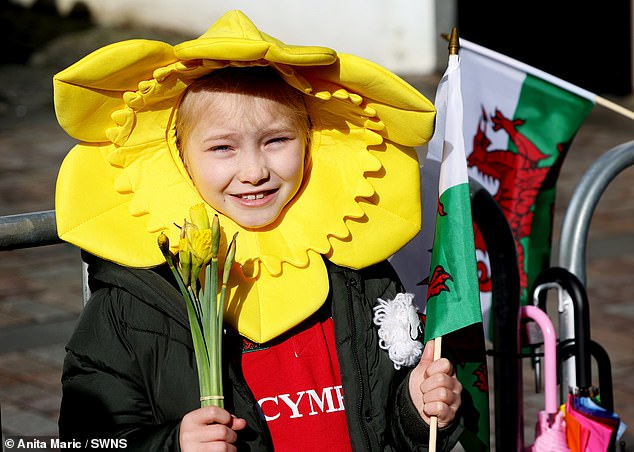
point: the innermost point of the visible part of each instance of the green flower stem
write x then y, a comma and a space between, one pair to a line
200, 351
200, 348
229, 259
211, 275
211, 293
213, 323
193, 299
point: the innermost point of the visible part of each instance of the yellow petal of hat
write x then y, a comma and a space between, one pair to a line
124, 183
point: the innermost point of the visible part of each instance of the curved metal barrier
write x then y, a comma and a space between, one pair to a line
574, 233
576, 222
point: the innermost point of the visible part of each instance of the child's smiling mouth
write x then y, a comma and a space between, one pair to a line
256, 198
252, 197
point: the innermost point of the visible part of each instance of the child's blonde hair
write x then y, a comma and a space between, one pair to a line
259, 82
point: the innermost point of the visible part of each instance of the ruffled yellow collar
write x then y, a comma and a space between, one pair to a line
124, 183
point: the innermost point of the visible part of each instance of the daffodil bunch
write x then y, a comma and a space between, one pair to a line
198, 254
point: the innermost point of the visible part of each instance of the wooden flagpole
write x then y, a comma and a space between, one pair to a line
433, 421
614, 107
454, 48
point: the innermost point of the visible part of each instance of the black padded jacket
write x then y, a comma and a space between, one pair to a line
130, 372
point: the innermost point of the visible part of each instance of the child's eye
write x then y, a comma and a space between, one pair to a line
220, 148
280, 140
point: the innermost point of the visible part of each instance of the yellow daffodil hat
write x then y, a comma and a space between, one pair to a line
124, 183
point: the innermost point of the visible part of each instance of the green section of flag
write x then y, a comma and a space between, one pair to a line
476, 437
453, 309
465, 348
453, 293
552, 118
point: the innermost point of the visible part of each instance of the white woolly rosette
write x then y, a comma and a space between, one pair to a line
399, 326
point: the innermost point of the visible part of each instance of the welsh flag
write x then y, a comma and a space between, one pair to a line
518, 125
453, 298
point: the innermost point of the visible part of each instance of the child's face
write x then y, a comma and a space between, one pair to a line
245, 156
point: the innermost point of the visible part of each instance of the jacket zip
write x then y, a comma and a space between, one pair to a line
239, 383
355, 357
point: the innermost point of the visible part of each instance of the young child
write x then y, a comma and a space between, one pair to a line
308, 154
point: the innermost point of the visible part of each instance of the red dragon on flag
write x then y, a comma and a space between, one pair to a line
520, 178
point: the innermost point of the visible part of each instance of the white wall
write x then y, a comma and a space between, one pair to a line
398, 34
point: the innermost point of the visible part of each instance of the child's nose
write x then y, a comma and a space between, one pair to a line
253, 168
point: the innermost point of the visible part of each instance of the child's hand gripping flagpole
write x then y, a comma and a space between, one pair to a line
453, 297
433, 421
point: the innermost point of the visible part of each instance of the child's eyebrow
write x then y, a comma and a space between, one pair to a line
219, 136
281, 129
271, 129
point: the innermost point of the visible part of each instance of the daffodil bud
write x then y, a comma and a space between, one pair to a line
199, 246
199, 217
164, 244
184, 260
215, 236
231, 255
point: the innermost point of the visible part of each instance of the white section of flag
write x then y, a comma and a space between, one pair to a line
524, 68
489, 86
448, 139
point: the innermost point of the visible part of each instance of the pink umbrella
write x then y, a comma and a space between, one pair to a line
550, 430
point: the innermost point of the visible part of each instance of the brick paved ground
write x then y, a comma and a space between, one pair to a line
40, 289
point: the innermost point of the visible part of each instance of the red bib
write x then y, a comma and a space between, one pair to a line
297, 383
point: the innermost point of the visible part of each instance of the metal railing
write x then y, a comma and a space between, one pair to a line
574, 237
28, 230
576, 222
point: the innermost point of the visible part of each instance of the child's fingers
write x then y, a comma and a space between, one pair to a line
209, 425
237, 423
445, 413
442, 365
427, 358
427, 364
428, 352
440, 390
209, 433
210, 415
448, 393
440, 380
443, 403
434, 388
